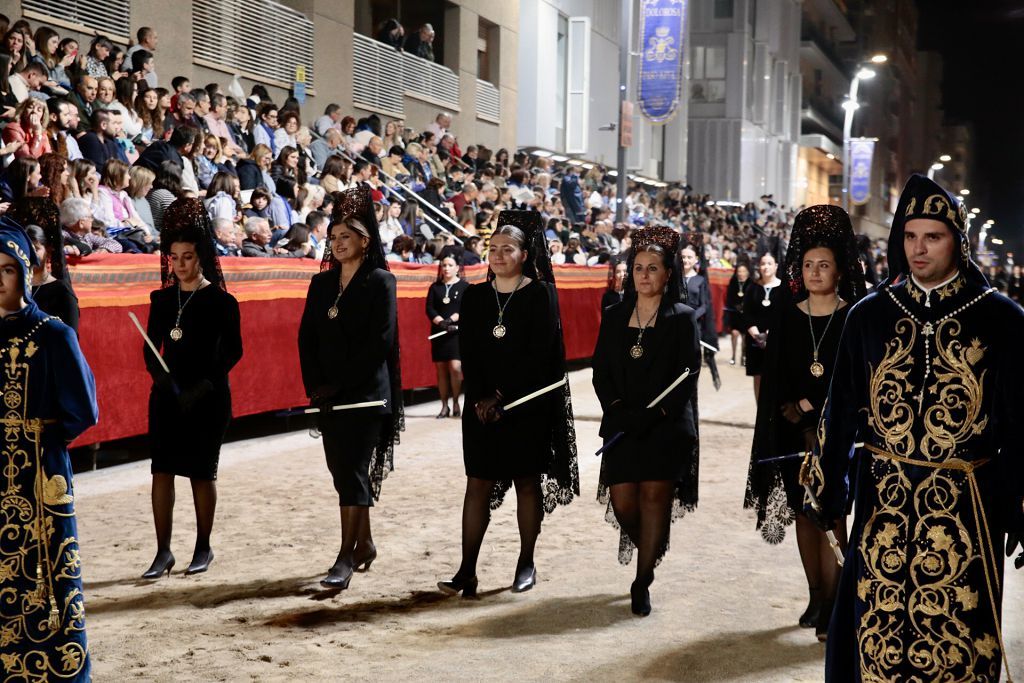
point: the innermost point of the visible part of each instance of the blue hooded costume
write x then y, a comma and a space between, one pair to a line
49, 398
929, 379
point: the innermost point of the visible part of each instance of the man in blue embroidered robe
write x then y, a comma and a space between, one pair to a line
929, 377
49, 398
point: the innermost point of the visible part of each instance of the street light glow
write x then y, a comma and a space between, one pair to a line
937, 166
975, 211
850, 105
945, 157
879, 59
965, 192
865, 74
997, 241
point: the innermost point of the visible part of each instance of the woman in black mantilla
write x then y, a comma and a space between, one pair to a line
760, 309
736, 294
348, 349
444, 301
511, 345
51, 280
822, 278
195, 323
616, 278
695, 292
645, 343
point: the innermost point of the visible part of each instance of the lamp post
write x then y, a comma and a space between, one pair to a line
626, 32
851, 105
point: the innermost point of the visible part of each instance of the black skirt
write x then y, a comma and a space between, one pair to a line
446, 347
349, 441
188, 444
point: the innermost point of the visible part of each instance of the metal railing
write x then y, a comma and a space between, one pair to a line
382, 76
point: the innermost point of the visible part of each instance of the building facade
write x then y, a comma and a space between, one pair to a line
745, 95
331, 46
568, 88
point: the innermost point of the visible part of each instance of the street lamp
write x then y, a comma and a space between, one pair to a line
850, 106
938, 165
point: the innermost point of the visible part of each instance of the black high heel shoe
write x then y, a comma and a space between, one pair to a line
362, 563
444, 413
457, 411
200, 562
459, 585
163, 562
525, 579
809, 619
338, 576
821, 628
640, 600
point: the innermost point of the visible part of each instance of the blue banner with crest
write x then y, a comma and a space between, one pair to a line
661, 57
861, 152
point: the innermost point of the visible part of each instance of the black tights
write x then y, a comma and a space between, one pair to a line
204, 493
818, 558
449, 382
355, 533
644, 511
476, 514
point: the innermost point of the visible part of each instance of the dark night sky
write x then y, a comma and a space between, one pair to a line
982, 44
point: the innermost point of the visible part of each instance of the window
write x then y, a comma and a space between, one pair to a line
105, 17
232, 36
561, 57
707, 82
723, 9
577, 103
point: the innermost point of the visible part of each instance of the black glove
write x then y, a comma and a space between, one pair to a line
819, 519
1013, 540
450, 327
615, 418
188, 398
488, 409
640, 421
163, 381
322, 395
791, 411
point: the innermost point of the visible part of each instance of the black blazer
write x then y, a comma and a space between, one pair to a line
675, 348
350, 353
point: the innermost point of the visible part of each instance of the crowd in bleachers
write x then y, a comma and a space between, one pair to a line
91, 127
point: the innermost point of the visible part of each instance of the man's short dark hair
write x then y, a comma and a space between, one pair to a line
331, 108
185, 97
198, 94
178, 81
217, 100
359, 166
315, 218
53, 105
143, 33
396, 150
265, 109
34, 67
99, 117
183, 135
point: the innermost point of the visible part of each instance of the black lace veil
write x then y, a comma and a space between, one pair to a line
357, 204
561, 481
186, 220
816, 226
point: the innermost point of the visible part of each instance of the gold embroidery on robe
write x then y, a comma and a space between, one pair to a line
890, 414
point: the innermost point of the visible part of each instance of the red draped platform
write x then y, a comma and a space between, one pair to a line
270, 293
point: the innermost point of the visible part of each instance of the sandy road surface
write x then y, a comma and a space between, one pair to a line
725, 603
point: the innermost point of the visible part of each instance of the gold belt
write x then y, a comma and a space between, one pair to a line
984, 540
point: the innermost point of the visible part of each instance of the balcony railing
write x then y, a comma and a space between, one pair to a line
488, 102
382, 76
810, 33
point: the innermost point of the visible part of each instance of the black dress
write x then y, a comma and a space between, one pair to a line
187, 443
58, 299
774, 489
735, 296
346, 359
445, 347
610, 298
670, 346
528, 357
756, 313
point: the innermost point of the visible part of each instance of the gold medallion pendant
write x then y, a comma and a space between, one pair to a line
498, 331
332, 312
176, 333
636, 351
817, 369
446, 300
